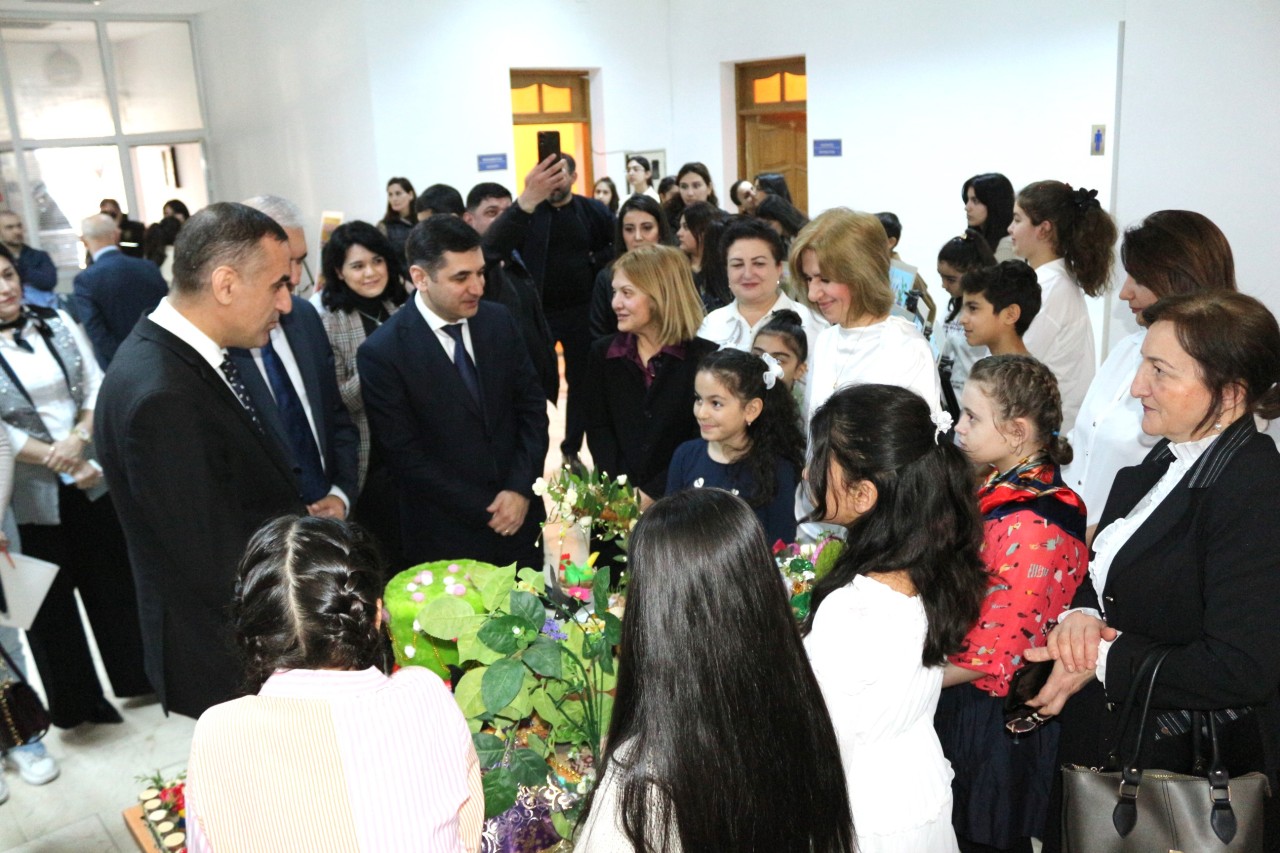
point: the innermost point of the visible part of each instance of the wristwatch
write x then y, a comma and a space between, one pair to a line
78, 432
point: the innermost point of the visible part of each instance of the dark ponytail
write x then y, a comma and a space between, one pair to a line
775, 436
925, 519
1083, 232
306, 597
1022, 387
787, 325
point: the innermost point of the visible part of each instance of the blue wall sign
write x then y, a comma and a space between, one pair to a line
491, 162
827, 147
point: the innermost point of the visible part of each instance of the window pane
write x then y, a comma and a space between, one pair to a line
556, 99
155, 76
767, 90
58, 85
525, 101
797, 87
164, 172
66, 186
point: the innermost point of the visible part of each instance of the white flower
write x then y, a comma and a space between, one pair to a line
540, 487
622, 480
571, 497
516, 631
450, 580
410, 651
412, 587
585, 521
426, 578
417, 627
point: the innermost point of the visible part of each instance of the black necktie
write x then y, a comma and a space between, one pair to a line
462, 361
237, 387
302, 442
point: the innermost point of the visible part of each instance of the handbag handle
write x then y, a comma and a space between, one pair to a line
1124, 816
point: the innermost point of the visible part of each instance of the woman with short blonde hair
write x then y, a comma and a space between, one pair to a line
850, 247
640, 381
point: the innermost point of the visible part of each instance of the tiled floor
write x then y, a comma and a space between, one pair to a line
80, 810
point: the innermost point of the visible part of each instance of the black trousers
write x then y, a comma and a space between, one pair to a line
90, 549
571, 326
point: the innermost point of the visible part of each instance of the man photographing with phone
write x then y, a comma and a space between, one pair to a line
563, 239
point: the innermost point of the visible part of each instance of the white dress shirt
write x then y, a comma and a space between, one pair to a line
171, 320
437, 324
727, 327
1108, 433
1062, 337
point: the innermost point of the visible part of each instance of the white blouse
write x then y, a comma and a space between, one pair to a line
1062, 337
952, 343
865, 649
727, 327
45, 382
1108, 433
890, 352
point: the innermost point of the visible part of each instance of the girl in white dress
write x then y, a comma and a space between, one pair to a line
1067, 238
901, 597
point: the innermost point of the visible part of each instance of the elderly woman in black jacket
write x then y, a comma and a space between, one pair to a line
640, 381
1186, 554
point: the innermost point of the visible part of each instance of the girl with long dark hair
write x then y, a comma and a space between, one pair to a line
701, 227
902, 595
400, 217
694, 749
694, 184
988, 207
751, 442
1066, 237
1036, 558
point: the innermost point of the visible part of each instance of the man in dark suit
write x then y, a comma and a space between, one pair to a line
192, 469
35, 268
294, 386
132, 232
110, 296
455, 405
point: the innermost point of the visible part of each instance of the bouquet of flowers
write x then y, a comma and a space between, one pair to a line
801, 565
607, 506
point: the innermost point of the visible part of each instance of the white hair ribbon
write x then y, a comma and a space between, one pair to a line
942, 423
773, 370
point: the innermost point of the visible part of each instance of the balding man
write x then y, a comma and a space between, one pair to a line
112, 295
192, 467
35, 268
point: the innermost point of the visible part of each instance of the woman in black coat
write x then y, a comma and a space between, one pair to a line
640, 381
1186, 554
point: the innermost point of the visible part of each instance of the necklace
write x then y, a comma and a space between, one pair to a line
377, 321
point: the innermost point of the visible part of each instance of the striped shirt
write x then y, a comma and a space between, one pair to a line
326, 760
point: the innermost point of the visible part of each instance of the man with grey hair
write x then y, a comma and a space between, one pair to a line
111, 295
191, 467
35, 268
294, 386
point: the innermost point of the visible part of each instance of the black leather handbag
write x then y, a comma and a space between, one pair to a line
1102, 811
23, 717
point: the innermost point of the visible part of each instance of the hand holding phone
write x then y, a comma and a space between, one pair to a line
548, 144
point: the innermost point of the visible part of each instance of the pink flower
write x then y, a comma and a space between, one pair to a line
425, 578
417, 596
579, 592
456, 589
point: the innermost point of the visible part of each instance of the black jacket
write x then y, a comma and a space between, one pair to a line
507, 283
530, 233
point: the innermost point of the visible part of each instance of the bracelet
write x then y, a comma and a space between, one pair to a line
78, 432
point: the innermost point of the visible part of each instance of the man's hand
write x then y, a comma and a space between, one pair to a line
509, 509
329, 506
542, 181
64, 456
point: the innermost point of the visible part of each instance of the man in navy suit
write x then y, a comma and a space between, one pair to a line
456, 406
110, 296
35, 268
293, 384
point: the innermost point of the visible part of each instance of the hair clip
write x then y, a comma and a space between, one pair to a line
941, 422
773, 370
1086, 199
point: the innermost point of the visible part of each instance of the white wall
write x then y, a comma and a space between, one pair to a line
1201, 127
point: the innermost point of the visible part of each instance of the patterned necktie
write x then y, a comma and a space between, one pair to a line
237, 386
462, 361
302, 442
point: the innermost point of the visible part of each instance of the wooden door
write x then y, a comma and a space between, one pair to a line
778, 142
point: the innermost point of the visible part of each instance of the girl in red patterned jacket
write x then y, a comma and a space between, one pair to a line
1036, 555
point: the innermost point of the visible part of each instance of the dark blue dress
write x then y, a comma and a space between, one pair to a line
693, 467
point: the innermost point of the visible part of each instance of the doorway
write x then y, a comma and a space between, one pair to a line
772, 123
552, 100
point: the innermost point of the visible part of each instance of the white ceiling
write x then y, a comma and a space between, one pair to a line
114, 7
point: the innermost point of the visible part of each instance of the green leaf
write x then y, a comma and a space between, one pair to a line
474, 725
600, 591
539, 745
469, 645
612, 628
505, 634
499, 791
446, 617
468, 695
544, 657
606, 663
830, 553
527, 606
528, 767
562, 825
489, 749
494, 587
501, 684
534, 578
547, 710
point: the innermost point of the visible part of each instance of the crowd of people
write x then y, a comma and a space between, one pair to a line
757, 378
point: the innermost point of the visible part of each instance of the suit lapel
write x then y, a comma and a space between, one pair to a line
1130, 487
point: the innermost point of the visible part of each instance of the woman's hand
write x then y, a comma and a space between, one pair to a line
87, 476
64, 456
1074, 642
1060, 687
